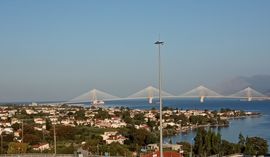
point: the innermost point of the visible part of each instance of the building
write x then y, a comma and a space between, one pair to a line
41, 147
165, 154
113, 136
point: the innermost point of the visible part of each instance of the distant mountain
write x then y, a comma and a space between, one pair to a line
260, 83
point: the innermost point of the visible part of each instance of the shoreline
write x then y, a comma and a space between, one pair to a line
188, 129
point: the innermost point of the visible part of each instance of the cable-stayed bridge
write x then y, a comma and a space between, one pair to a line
93, 95
151, 92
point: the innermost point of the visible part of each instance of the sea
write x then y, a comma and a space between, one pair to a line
250, 126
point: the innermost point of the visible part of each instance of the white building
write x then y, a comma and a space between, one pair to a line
41, 147
39, 121
113, 136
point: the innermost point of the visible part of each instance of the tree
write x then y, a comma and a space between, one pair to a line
151, 124
28, 129
151, 138
215, 143
126, 117
228, 148
23, 111
31, 139
117, 149
102, 114
65, 149
242, 142
64, 132
177, 118
17, 148
186, 148
7, 137
48, 124
198, 119
80, 114
139, 118
15, 126
199, 142
92, 145
256, 146
207, 142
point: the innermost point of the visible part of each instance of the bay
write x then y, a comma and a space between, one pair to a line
250, 126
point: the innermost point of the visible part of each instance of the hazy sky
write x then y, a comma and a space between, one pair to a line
56, 50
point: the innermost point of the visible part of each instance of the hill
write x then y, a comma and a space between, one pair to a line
260, 83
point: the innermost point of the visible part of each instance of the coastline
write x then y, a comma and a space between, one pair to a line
187, 129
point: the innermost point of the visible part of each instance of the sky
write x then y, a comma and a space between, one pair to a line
56, 50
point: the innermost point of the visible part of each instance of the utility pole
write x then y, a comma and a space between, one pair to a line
54, 133
1, 143
54, 138
22, 131
191, 150
159, 43
97, 150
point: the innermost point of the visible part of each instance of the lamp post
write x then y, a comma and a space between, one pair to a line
159, 43
22, 131
191, 150
54, 133
180, 126
1, 142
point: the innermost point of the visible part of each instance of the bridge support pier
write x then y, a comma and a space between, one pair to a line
150, 100
202, 99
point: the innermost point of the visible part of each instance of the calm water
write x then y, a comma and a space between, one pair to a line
259, 126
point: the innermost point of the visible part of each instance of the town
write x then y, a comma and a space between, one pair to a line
122, 131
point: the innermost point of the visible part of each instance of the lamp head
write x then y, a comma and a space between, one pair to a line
159, 42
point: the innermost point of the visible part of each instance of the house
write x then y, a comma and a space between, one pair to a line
4, 118
17, 133
3, 113
15, 120
39, 121
165, 154
5, 123
38, 128
8, 130
175, 147
113, 136
152, 147
118, 125
29, 111
41, 147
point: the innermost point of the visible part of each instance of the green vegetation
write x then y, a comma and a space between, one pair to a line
186, 148
102, 114
17, 148
78, 127
136, 138
209, 143
255, 146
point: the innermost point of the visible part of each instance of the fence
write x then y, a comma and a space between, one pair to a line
37, 155
51, 155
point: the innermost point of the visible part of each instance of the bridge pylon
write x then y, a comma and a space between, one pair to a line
93, 95
149, 92
248, 93
201, 92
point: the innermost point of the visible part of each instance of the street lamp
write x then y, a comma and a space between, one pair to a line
1, 142
180, 126
191, 150
159, 43
54, 133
